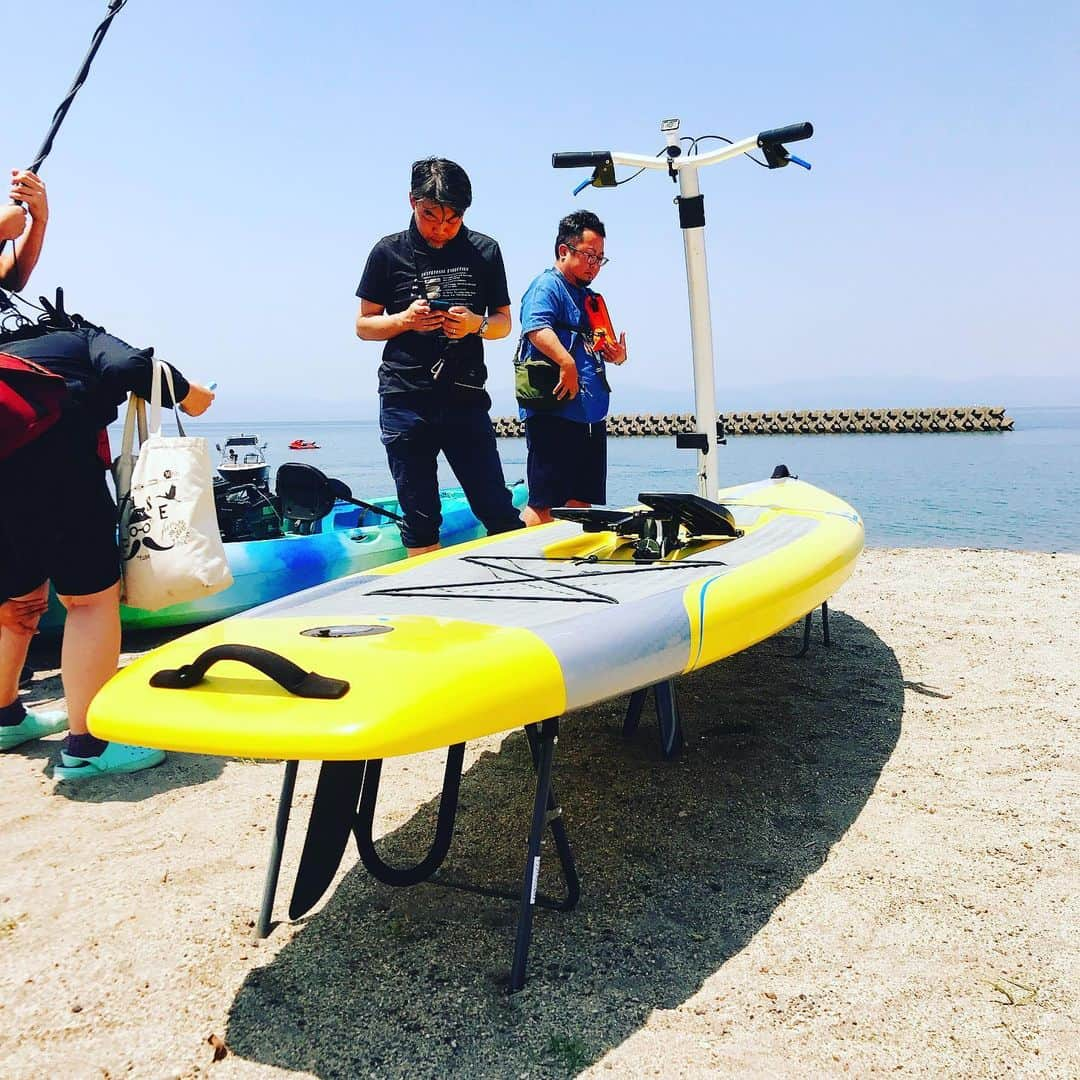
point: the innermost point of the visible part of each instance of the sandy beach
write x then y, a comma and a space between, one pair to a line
865, 861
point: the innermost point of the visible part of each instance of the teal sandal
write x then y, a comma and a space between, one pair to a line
115, 758
34, 725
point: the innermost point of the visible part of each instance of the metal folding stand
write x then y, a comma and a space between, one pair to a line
344, 804
546, 811
444, 827
808, 621
277, 846
667, 706
667, 716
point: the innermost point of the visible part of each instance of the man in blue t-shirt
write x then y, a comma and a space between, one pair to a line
567, 443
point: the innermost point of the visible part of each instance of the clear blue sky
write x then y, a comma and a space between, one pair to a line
223, 174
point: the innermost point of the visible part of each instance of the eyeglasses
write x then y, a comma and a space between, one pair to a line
589, 257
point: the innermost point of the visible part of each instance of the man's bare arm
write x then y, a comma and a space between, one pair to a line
460, 321
373, 324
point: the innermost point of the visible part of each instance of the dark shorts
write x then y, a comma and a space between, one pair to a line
415, 428
57, 517
567, 461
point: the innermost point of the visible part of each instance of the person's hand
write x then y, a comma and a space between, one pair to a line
614, 352
28, 188
198, 400
21, 614
12, 222
567, 386
460, 322
418, 316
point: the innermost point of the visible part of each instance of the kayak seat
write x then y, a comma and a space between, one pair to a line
307, 495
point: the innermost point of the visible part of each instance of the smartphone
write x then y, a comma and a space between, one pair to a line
440, 305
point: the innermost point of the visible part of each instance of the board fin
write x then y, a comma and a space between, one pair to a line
333, 813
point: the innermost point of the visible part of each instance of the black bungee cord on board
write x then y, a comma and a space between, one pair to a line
54, 316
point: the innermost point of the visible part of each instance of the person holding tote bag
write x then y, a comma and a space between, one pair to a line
170, 543
59, 524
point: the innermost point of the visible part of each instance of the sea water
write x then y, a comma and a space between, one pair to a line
1015, 489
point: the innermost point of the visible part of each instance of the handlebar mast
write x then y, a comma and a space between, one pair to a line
691, 204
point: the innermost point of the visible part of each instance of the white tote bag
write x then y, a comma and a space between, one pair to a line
169, 540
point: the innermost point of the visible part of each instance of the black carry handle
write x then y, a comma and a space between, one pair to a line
580, 159
289, 676
791, 133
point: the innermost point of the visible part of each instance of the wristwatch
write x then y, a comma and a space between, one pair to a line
482, 327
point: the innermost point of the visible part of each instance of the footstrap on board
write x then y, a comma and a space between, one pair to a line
289, 676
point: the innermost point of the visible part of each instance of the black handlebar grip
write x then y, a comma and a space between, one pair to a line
791, 133
580, 159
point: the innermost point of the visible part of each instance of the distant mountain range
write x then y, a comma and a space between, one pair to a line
851, 392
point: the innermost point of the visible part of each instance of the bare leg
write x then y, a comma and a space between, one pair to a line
410, 552
91, 649
541, 515
13, 649
14, 644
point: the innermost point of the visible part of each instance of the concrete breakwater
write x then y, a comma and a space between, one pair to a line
803, 422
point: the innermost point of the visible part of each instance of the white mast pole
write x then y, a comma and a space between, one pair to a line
692, 222
701, 339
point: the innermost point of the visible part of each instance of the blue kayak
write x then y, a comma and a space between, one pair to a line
347, 540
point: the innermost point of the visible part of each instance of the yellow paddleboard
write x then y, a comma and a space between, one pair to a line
489, 636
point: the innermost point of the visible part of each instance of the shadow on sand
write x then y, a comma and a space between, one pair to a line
681, 864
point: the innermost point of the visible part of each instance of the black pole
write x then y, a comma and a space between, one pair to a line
62, 110
548, 736
281, 825
80, 78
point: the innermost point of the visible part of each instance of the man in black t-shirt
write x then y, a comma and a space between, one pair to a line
433, 293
